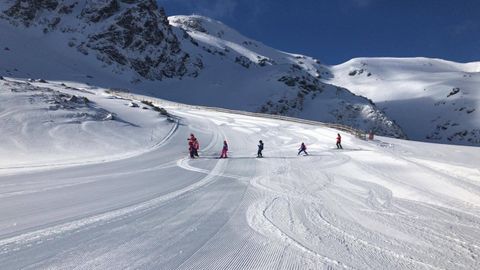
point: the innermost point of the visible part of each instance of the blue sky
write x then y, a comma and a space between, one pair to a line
337, 30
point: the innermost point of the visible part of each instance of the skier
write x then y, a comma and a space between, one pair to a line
339, 141
303, 148
260, 149
193, 146
191, 149
370, 135
224, 150
196, 146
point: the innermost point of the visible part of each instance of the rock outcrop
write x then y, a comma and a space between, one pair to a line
126, 33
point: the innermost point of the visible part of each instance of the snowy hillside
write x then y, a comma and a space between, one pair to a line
383, 204
195, 60
431, 99
42, 126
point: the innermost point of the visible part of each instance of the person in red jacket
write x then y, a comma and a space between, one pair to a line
339, 141
224, 150
193, 146
196, 146
191, 149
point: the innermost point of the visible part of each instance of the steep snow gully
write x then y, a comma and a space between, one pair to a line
383, 204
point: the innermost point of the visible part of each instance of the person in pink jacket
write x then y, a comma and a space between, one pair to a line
224, 150
196, 146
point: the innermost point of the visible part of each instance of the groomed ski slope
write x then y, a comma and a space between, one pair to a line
383, 204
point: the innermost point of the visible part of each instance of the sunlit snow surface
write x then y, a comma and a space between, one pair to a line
431, 99
79, 190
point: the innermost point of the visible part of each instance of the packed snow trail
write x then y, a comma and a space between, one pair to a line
387, 204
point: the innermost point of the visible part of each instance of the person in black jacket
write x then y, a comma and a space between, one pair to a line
303, 148
260, 149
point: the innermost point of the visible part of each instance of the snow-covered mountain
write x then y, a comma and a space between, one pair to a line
131, 44
129, 34
431, 99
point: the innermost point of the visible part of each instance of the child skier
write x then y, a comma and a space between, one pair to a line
260, 149
339, 141
224, 150
303, 148
191, 149
196, 146
193, 146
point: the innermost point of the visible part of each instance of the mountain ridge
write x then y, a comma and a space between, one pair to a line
197, 60
432, 99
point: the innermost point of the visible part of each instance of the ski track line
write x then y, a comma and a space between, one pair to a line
460, 243
205, 262
32, 191
456, 180
215, 140
274, 229
395, 179
224, 260
289, 261
298, 243
466, 184
255, 183
370, 245
440, 236
242, 263
281, 258
259, 185
184, 164
172, 131
286, 194
35, 236
183, 233
425, 162
226, 257
366, 243
420, 218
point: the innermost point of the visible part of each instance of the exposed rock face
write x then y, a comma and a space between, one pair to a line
127, 33
192, 24
97, 10
141, 30
340, 105
26, 10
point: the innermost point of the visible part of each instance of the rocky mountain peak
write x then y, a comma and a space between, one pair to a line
121, 33
134, 41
